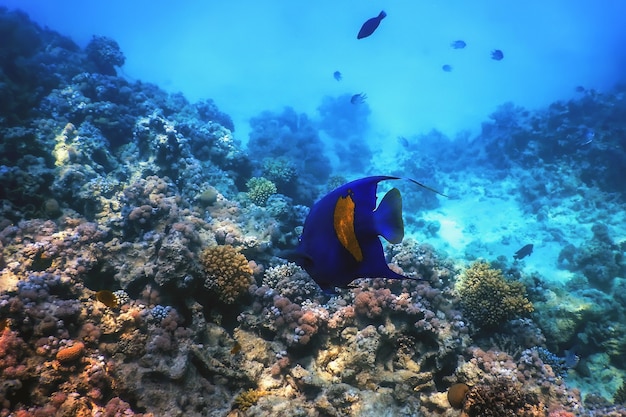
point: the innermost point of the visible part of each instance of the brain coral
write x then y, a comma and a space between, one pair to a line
488, 299
227, 272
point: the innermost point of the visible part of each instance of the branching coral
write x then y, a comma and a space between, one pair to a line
502, 398
488, 299
227, 272
260, 189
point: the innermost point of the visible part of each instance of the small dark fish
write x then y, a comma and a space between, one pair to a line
358, 98
524, 252
107, 298
370, 26
588, 137
458, 44
236, 348
403, 141
580, 89
340, 242
497, 54
337, 75
447, 68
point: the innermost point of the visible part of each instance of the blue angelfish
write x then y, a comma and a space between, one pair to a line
340, 240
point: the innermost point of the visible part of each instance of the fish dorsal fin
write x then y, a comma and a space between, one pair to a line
388, 217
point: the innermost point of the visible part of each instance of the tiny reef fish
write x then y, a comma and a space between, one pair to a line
337, 75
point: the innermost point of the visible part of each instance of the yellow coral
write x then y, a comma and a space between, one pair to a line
227, 272
62, 150
488, 299
248, 398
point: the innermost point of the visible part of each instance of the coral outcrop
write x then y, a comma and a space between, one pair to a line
227, 271
488, 299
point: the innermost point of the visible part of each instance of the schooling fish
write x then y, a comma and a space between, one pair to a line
370, 26
524, 252
458, 44
447, 68
340, 243
497, 54
358, 98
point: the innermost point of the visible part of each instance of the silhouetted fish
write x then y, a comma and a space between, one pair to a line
340, 242
458, 44
370, 26
337, 75
524, 252
358, 98
447, 68
497, 54
403, 141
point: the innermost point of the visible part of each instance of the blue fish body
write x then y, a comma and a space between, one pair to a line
370, 25
340, 240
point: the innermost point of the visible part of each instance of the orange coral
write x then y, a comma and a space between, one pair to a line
228, 273
71, 353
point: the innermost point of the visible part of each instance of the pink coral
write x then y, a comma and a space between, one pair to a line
372, 303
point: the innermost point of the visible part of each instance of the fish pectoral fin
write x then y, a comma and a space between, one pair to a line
388, 217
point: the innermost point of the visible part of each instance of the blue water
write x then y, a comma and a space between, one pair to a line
98, 171
253, 56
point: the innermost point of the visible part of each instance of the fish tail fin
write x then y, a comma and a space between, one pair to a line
382, 14
388, 217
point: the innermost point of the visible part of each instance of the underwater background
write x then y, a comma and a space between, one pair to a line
157, 161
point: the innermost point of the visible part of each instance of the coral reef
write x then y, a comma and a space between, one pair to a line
290, 135
105, 53
502, 398
260, 190
488, 299
138, 277
228, 273
601, 260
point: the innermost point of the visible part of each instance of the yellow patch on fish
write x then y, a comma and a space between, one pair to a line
107, 298
343, 220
